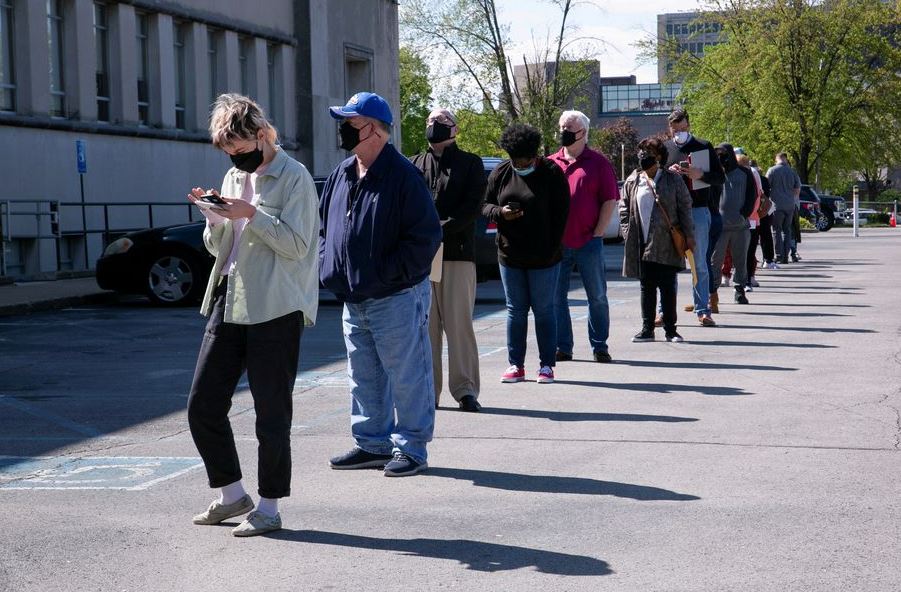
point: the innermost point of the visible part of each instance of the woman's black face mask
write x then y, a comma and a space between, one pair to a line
248, 161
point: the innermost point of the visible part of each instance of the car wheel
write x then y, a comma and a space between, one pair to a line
826, 220
175, 278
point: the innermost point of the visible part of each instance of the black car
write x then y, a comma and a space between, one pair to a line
833, 207
811, 210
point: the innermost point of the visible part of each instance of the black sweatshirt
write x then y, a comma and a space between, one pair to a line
707, 196
532, 241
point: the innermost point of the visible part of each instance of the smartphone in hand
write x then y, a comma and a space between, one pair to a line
211, 201
514, 205
685, 164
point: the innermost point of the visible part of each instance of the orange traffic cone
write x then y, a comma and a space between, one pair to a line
891, 221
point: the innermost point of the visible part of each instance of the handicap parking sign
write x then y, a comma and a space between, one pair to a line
129, 473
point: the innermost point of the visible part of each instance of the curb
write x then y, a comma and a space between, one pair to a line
56, 303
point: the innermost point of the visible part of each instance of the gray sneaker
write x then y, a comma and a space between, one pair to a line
257, 523
217, 512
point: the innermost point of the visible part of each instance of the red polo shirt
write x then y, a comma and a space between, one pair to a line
591, 183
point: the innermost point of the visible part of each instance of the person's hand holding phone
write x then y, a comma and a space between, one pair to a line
511, 210
209, 210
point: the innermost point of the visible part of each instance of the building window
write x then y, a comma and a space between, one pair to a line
213, 56
244, 48
7, 72
101, 60
357, 69
143, 33
181, 66
55, 46
669, 29
272, 69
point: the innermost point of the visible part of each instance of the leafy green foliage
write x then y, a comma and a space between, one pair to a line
415, 99
615, 140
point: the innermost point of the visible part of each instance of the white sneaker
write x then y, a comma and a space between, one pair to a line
727, 280
772, 265
749, 288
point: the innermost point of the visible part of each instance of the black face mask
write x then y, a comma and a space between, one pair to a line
437, 133
646, 160
350, 136
567, 138
248, 161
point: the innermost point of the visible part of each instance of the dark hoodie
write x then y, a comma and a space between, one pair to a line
739, 191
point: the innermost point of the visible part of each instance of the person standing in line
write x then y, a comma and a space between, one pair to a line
457, 181
593, 195
736, 204
380, 233
652, 198
753, 221
785, 189
679, 149
528, 199
766, 222
261, 293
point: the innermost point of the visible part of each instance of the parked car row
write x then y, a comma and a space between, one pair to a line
170, 265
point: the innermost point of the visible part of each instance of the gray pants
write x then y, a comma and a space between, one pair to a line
735, 240
782, 233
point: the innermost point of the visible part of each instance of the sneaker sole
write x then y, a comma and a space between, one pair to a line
255, 532
545, 380
643, 340
371, 464
418, 469
512, 380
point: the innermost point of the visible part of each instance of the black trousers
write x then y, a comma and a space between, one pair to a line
655, 276
766, 239
269, 353
752, 252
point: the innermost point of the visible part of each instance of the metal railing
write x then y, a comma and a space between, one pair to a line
61, 228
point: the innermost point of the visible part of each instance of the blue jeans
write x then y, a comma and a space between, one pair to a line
590, 259
701, 219
716, 229
389, 364
535, 289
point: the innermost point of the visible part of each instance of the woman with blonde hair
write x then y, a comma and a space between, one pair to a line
263, 229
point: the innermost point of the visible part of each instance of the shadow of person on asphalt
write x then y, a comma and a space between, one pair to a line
474, 555
703, 365
647, 387
558, 484
582, 416
762, 344
800, 329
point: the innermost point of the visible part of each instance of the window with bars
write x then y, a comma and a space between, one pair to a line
181, 66
56, 53
101, 60
7, 60
143, 51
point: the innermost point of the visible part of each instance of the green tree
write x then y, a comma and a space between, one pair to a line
479, 131
415, 98
803, 76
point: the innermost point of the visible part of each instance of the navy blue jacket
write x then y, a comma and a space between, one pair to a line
380, 233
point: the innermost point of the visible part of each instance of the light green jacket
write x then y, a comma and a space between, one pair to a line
277, 268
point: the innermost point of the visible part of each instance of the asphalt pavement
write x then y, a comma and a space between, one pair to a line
759, 455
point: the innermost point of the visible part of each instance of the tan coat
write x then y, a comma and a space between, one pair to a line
658, 248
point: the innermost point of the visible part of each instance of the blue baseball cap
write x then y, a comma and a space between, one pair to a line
364, 103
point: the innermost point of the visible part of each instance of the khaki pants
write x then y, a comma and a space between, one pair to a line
453, 299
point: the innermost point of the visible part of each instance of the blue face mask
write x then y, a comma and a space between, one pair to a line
524, 172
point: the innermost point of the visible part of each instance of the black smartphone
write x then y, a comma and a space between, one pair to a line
212, 198
514, 205
684, 164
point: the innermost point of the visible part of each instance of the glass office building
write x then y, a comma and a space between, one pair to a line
639, 98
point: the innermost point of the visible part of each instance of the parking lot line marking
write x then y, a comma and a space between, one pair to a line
53, 418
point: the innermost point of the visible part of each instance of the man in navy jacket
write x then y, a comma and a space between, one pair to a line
379, 234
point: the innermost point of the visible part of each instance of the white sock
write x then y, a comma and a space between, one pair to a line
268, 506
231, 493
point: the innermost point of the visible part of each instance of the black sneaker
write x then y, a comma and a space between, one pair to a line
469, 403
563, 357
740, 297
674, 337
359, 459
795, 257
403, 466
602, 357
644, 335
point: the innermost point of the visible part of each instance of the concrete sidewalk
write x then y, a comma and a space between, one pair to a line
26, 297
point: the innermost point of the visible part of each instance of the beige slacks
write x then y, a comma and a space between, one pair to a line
453, 300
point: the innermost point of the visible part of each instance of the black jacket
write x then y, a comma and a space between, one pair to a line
457, 181
532, 241
708, 197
